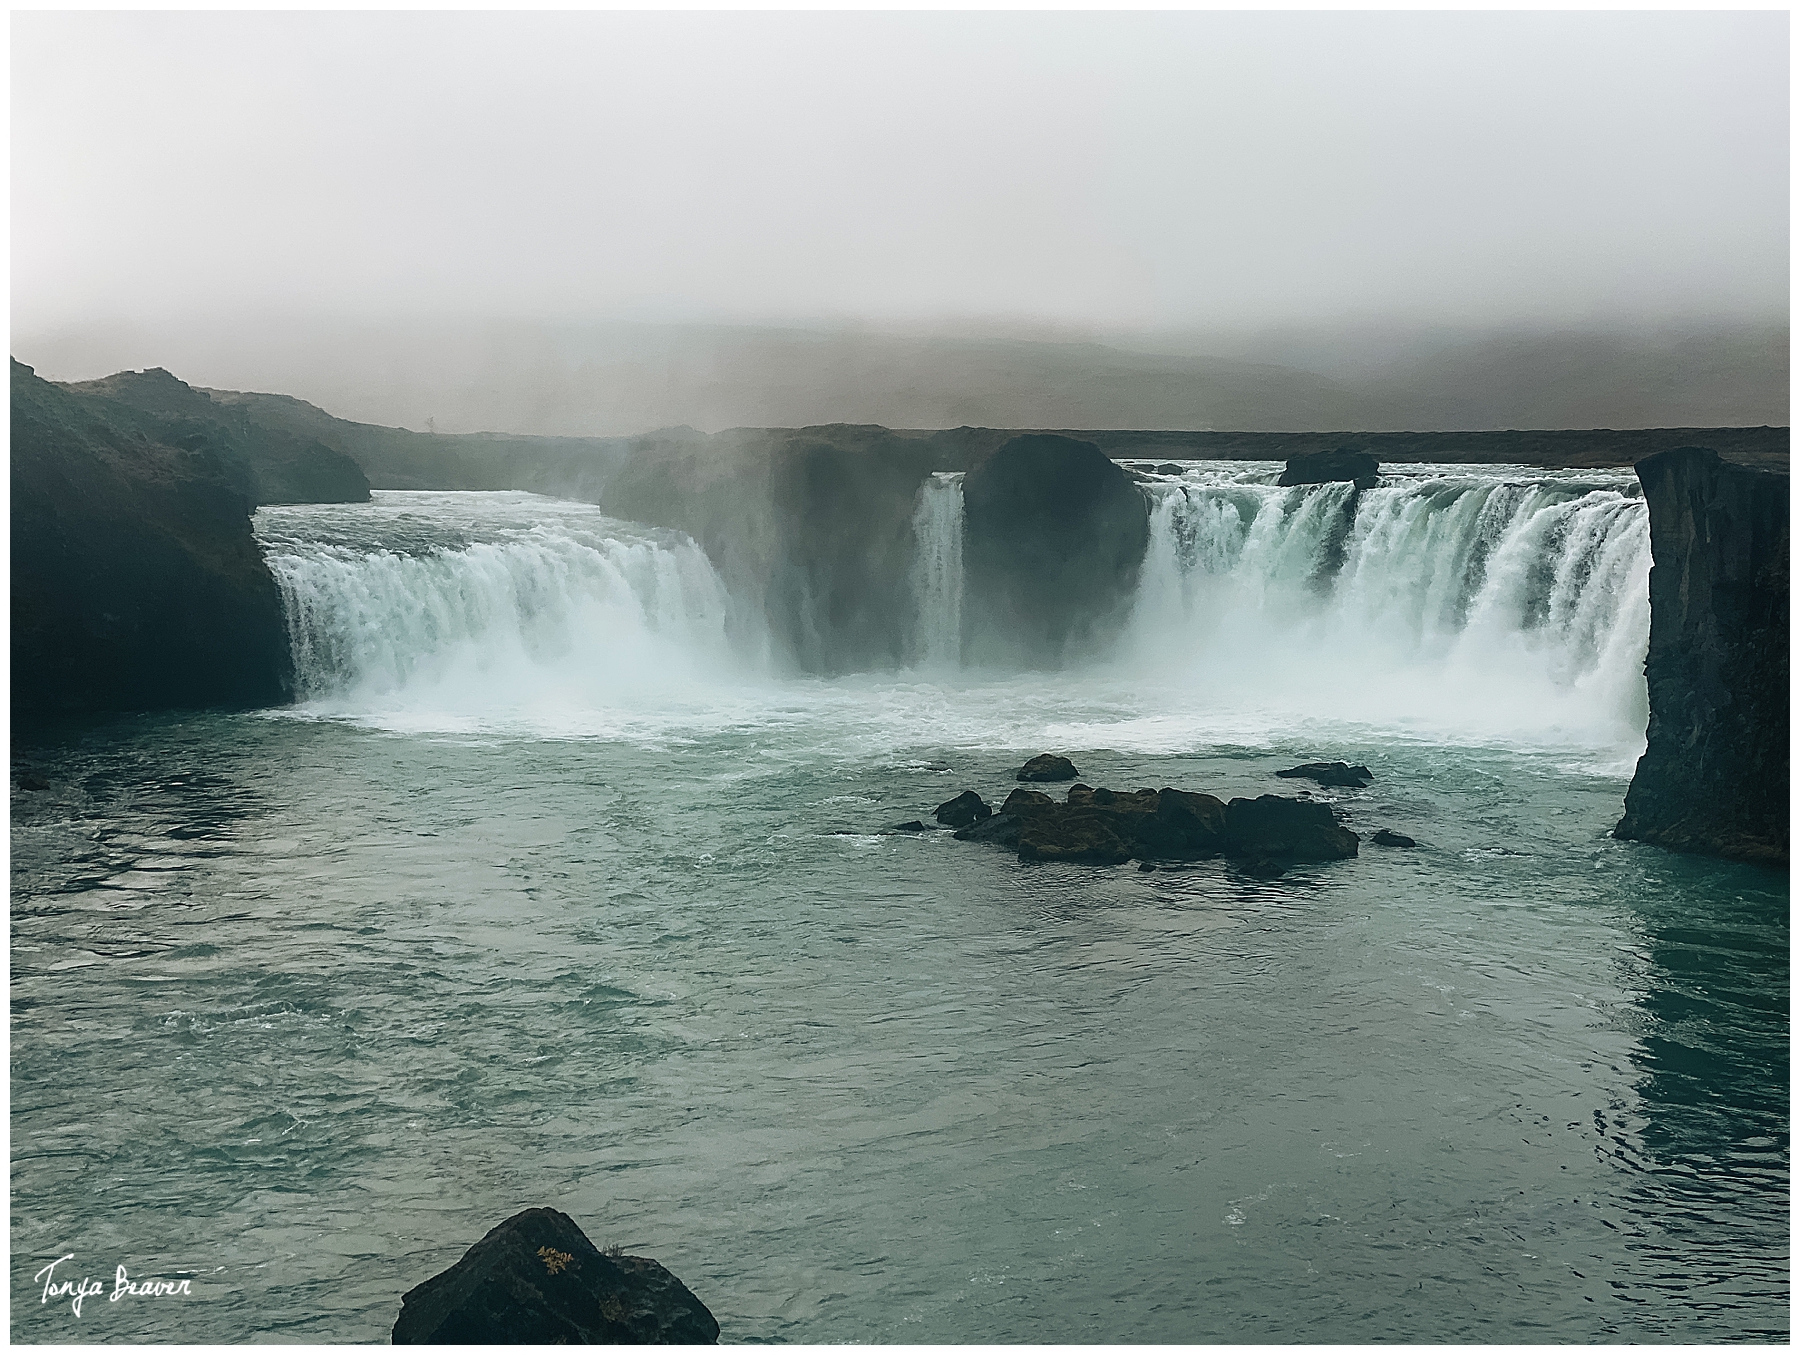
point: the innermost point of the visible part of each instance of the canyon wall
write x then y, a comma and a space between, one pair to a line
1714, 777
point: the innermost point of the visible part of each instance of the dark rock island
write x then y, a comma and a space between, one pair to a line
1106, 827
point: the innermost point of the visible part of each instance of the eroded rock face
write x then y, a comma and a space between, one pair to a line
1048, 767
1323, 468
1714, 776
137, 583
1054, 533
537, 1280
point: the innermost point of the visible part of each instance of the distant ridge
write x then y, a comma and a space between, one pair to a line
619, 380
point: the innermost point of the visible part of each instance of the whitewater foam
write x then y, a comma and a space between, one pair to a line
1504, 606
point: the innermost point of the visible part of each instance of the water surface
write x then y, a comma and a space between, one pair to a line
305, 1001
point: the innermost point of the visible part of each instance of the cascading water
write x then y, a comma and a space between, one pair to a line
1510, 599
493, 603
937, 574
1495, 604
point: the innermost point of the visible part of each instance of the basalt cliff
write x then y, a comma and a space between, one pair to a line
136, 580
1714, 777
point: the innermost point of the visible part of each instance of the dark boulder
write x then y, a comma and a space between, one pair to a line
1168, 468
1054, 533
1005, 826
1048, 767
1081, 833
1001, 828
1386, 838
1714, 774
1331, 774
965, 809
1274, 828
1185, 826
910, 826
1323, 468
537, 1280
1025, 802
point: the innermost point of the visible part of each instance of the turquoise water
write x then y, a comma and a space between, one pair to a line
305, 1001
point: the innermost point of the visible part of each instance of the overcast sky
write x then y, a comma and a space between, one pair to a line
1089, 172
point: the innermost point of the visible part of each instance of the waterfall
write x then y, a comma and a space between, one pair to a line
516, 602
1509, 595
937, 572
1494, 603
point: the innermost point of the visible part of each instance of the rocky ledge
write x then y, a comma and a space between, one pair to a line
1714, 775
1106, 827
537, 1280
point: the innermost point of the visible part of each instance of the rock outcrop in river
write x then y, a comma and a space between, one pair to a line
537, 1280
1323, 468
1107, 827
136, 581
1714, 777
1054, 535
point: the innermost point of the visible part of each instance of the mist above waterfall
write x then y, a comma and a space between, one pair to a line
604, 223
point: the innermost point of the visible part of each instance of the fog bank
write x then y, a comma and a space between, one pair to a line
621, 379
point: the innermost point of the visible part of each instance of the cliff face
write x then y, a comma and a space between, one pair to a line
136, 581
1714, 778
269, 465
1054, 533
814, 526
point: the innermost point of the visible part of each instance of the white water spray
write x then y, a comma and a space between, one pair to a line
937, 572
1485, 602
1500, 605
513, 604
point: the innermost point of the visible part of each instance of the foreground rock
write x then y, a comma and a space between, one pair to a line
1048, 767
1714, 776
1331, 774
965, 809
537, 1280
1323, 468
1054, 533
1107, 827
136, 581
